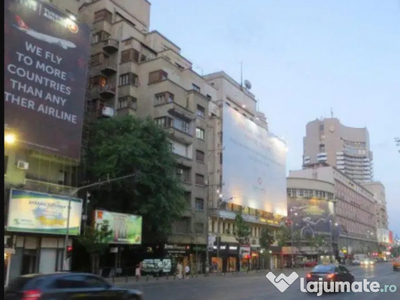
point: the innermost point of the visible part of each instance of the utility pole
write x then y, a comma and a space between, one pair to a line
71, 195
397, 141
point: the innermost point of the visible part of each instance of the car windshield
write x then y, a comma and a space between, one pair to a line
323, 269
19, 283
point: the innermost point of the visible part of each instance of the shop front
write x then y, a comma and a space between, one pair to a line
177, 253
197, 258
9, 250
228, 259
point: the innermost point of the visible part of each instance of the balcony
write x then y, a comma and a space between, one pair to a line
180, 136
107, 91
47, 187
110, 45
108, 69
180, 111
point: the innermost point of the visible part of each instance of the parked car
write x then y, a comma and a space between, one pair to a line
66, 286
310, 264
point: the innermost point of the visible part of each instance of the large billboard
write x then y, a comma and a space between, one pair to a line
126, 229
254, 164
382, 235
45, 69
312, 216
43, 213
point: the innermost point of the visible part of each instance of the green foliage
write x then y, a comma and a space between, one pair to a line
95, 240
267, 238
283, 235
124, 145
243, 231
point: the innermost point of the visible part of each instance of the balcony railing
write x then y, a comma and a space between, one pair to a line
47, 187
110, 45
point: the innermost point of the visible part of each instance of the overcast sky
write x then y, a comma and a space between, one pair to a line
304, 57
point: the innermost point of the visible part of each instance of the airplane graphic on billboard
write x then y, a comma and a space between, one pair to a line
43, 37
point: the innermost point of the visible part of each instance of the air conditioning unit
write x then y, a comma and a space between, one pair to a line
179, 171
22, 165
107, 112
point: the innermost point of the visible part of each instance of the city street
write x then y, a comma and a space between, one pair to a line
257, 287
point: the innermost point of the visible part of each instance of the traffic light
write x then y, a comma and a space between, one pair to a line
69, 251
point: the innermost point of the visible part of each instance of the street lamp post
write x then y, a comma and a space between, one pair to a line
332, 248
72, 194
291, 236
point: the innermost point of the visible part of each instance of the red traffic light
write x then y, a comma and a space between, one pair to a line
69, 248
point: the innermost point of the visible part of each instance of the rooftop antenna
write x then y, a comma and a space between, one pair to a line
241, 75
331, 112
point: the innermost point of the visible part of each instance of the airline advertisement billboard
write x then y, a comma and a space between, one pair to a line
254, 164
45, 73
126, 229
35, 212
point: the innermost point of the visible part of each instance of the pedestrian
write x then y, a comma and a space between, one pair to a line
138, 271
187, 271
179, 270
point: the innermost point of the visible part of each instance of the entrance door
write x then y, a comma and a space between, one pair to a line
29, 262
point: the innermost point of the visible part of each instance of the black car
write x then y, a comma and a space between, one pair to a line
66, 286
330, 273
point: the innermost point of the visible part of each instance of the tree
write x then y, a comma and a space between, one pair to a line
266, 240
95, 241
243, 231
283, 235
124, 145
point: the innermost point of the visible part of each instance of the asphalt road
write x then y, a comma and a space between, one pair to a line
257, 287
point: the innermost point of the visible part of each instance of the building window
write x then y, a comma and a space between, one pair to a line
321, 148
103, 15
200, 134
209, 97
128, 78
185, 126
199, 227
199, 156
184, 174
199, 179
130, 55
100, 36
127, 102
201, 111
97, 81
97, 59
157, 76
163, 98
164, 122
143, 58
321, 127
196, 88
199, 204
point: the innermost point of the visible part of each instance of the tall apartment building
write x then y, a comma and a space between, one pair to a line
354, 209
378, 190
229, 257
346, 148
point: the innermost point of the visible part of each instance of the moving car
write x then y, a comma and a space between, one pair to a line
396, 265
367, 263
66, 286
330, 273
356, 262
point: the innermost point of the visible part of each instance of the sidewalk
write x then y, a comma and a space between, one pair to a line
172, 278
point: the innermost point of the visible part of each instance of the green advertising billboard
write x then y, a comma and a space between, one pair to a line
126, 229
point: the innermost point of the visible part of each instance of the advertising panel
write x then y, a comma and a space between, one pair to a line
43, 213
391, 240
382, 235
311, 216
45, 69
254, 164
126, 229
